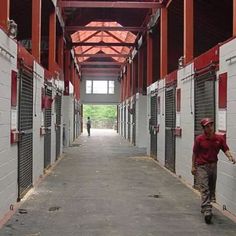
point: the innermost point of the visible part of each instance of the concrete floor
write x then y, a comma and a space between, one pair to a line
103, 186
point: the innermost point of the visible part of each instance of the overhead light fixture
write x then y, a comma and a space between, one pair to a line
12, 29
153, 20
181, 62
124, 69
129, 60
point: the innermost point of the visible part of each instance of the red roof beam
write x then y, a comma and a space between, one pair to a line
99, 76
106, 63
100, 69
114, 74
102, 55
109, 4
104, 28
103, 44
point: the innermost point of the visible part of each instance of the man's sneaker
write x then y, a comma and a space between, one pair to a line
208, 216
213, 199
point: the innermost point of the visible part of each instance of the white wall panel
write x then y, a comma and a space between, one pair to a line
226, 188
141, 121
53, 129
8, 152
68, 119
184, 143
99, 98
38, 141
161, 133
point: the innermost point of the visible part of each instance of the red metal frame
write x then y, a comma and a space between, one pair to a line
188, 31
178, 131
109, 4
104, 28
222, 102
164, 43
178, 100
101, 55
4, 13
140, 71
207, 58
128, 79
36, 31
149, 59
24, 55
103, 44
121, 90
13, 88
48, 74
234, 18
61, 52
52, 41
134, 76
100, 63
172, 77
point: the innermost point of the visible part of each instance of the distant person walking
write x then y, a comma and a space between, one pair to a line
88, 125
204, 164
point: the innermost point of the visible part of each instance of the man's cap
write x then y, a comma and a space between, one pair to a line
206, 121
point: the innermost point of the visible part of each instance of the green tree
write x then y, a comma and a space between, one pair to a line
102, 116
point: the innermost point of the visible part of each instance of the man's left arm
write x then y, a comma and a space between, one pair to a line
225, 149
230, 156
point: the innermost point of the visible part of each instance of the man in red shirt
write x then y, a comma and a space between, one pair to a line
204, 164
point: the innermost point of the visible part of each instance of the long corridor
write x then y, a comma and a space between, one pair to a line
103, 186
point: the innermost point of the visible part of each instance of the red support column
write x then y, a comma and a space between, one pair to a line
164, 43
121, 90
61, 52
131, 78
76, 84
79, 87
67, 72
128, 80
125, 86
149, 59
234, 18
74, 76
36, 31
52, 41
4, 13
140, 71
134, 76
188, 31
72, 70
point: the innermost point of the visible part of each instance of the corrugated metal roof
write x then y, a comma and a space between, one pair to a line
103, 36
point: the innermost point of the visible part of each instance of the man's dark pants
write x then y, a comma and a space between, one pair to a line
206, 178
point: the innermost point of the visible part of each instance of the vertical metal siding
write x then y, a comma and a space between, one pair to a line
170, 119
47, 136
153, 125
58, 124
129, 122
25, 145
125, 121
204, 102
134, 122
121, 121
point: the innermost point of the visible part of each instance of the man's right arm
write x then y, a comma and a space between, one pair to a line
193, 171
195, 151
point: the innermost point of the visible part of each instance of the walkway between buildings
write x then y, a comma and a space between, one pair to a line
103, 186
